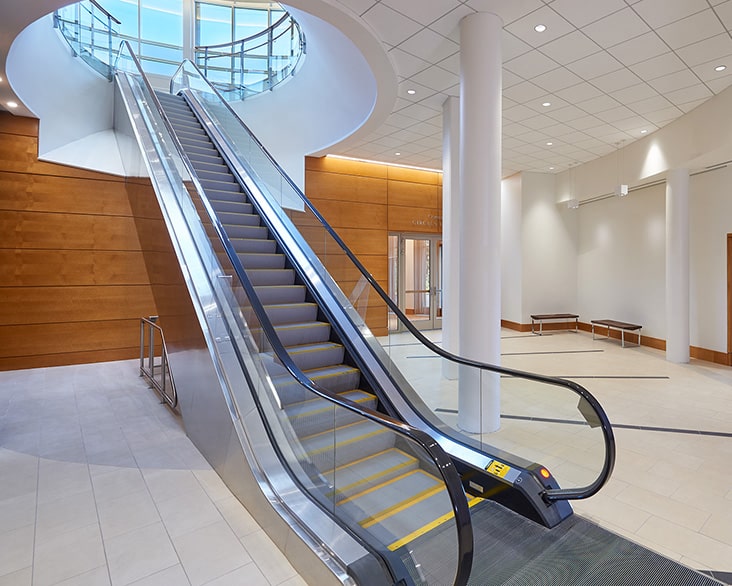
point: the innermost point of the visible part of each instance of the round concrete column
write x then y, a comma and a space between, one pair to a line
677, 265
480, 219
450, 232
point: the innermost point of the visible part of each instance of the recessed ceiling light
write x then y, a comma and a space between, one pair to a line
540, 28
397, 154
551, 168
1, 79
12, 104
643, 131
411, 92
720, 68
546, 104
549, 144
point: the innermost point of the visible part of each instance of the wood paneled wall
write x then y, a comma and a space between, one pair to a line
364, 202
73, 278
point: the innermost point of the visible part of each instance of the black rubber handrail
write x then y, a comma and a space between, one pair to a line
440, 458
550, 495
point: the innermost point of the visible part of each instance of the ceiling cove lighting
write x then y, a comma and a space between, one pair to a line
540, 28
720, 68
383, 163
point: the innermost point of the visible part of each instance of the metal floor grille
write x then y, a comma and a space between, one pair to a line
513, 551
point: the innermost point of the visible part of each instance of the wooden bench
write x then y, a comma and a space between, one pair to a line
617, 325
542, 317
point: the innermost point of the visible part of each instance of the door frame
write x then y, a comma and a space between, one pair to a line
435, 320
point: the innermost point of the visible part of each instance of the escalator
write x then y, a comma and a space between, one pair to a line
432, 504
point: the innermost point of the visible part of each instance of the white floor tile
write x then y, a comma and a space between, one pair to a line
140, 553
68, 555
173, 576
16, 549
22, 577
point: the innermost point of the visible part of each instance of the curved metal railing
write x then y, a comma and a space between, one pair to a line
257, 63
257, 319
587, 412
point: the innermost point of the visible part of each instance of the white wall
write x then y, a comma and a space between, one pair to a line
549, 243
621, 259
511, 249
710, 211
72, 101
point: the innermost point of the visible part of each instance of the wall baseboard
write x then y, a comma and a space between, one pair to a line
704, 354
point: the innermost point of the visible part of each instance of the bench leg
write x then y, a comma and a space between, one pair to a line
622, 338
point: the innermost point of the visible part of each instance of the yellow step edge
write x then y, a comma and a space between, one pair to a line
369, 457
427, 528
372, 478
289, 381
329, 407
346, 443
379, 486
403, 506
327, 346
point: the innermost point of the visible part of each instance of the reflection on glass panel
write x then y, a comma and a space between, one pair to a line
393, 277
127, 12
249, 21
162, 20
213, 24
417, 279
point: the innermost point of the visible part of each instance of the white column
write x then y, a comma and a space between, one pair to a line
450, 231
677, 265
480, 218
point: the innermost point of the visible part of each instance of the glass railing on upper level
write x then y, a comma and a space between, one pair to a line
255, 64
245, 342
239, 69
91, 32
542, 419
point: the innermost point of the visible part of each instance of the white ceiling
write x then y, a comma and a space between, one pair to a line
610, 69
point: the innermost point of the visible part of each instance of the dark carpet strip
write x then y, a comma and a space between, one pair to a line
615, 425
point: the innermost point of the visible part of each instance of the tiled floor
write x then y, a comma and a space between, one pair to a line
99, 484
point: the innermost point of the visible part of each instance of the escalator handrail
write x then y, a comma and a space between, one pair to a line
441, 460
550, 494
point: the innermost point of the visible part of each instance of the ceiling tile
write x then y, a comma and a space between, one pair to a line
568, 113
599, 104
417, 111
510, 79
556, 26
616, 80
427, 13
524, 92
658, 13
582, 12
508, 11
706, 71
557, 79
660, 117
674, 81
724, 12
436, 78
689, 94
449, 25
689, 106
359, 6
616, 28
518, 113
706, 50
634, 93
512, 46
595, 65
615, 114
406, 63
658, 66
393, 27
569, 48
530, 64
555, 104
643, 107
640, 48
693, 29
578, 93
429, 45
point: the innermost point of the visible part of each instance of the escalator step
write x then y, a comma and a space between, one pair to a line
287, 313
271, 294
365, 473
316, 415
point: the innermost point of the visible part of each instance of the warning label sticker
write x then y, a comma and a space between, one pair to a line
498, 468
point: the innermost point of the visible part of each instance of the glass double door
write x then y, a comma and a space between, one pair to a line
415, 279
